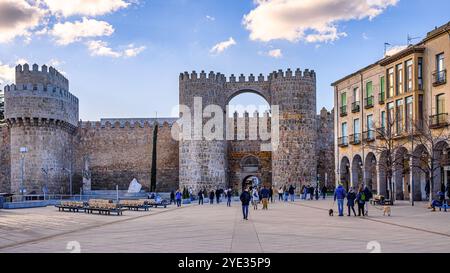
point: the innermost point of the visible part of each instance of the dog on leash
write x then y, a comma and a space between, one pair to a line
331, 212
386, 210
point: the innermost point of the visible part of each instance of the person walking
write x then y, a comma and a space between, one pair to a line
211, 197
369, 195
200, 197
172, 197
271, 194
280, 194
339, 195
292, 193
265, 195
361, 200
178, 197
245, 200
218, 196
255, 199
324, 192
302, 192
286, 193
229, 195
351, 196
311, 193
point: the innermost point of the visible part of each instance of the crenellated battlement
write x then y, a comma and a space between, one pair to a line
40, 89
276, 75
127, 123
45, 75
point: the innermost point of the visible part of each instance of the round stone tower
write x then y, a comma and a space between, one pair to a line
42, 115
202, 162
294, 161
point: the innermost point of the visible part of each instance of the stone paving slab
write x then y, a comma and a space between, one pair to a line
303, 226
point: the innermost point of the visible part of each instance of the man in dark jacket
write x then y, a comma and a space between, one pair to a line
368, 194
218, 196
200, 197
245, 199
271, 194
211, 197
172, 197
265, 194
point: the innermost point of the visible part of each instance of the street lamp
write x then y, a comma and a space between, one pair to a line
70, 179
23, 151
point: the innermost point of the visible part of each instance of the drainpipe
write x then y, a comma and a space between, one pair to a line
362, 130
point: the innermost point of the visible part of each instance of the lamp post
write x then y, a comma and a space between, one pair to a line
70, 179
23, 151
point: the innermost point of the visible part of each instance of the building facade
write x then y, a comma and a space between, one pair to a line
44, 147
390, 102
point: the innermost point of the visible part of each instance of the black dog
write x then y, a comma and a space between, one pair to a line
331, 212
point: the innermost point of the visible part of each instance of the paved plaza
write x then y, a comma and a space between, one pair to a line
303, 226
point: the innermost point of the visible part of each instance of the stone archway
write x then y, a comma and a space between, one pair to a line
420, 173
204, 163
345, 173
357, 172
370, 170
402, 174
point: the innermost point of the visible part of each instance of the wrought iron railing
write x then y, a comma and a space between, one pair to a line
439, 120
439, 77
355, 139
368, 102
356, 107
343, 141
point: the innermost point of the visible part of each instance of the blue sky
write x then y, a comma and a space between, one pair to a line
172, 36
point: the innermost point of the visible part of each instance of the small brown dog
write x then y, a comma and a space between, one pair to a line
386, 210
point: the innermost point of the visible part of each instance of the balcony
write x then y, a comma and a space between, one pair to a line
356, 107
343, 111
343, 142
439, 77
355, 139
368, 102
381, 98
381, 133
439, 121
369, 136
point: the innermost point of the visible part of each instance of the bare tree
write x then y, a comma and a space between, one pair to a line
429, 161
388, 143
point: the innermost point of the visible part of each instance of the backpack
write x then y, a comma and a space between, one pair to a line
363, 196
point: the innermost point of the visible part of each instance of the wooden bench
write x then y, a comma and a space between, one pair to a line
71, 206
153, 203
103, 207
134, 204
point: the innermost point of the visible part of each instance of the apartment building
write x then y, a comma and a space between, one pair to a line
397, 92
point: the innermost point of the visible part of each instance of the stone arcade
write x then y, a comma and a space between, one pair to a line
42, 115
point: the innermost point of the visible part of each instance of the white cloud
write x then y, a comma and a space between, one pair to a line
220, 47
394, 50
308, 20
274, 53
7, 74
101, 48
133, 51
67, 33
365, 37
18, 18
68, 8
210, 18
